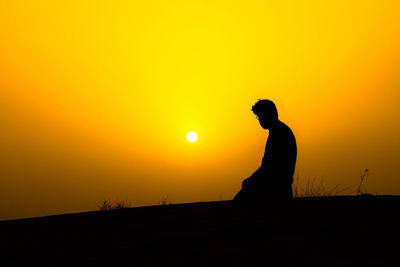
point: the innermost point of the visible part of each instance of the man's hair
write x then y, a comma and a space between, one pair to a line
265, 107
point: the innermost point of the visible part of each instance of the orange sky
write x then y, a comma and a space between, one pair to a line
96, 97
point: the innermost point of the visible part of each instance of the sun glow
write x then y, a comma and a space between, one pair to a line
96, 97
191, 137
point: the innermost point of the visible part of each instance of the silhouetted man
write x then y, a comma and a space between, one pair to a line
275, 176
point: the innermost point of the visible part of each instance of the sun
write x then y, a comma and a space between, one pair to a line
191, 136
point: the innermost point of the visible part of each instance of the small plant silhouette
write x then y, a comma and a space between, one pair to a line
121, 205
363, 176
314, 188
106, 205
164, 201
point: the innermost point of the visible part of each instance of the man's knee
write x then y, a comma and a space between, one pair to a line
251, 183
246, 182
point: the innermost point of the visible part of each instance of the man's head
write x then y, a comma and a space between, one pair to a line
266, 112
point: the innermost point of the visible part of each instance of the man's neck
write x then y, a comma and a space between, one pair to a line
275, 125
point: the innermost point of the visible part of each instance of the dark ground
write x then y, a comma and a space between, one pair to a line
326, 231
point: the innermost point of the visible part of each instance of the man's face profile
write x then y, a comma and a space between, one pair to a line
265, 121
265, 112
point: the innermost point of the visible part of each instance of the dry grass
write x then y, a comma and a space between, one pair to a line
316, 188
106, 205
361, 187
164, 201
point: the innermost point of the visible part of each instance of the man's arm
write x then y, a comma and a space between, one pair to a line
253, 178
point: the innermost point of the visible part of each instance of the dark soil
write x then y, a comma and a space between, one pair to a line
326, 231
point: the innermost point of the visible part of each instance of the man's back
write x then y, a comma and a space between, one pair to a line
279, 161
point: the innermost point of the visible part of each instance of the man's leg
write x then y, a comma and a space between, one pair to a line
282, 191
246, 192
241, 195
290, 192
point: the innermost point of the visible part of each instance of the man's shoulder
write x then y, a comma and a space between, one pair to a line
286, 133
284, 128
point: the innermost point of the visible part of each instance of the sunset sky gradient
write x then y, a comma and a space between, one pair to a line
96, 98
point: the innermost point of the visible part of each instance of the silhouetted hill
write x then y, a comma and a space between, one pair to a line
327, 231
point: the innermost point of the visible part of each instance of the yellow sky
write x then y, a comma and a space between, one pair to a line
96, 97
